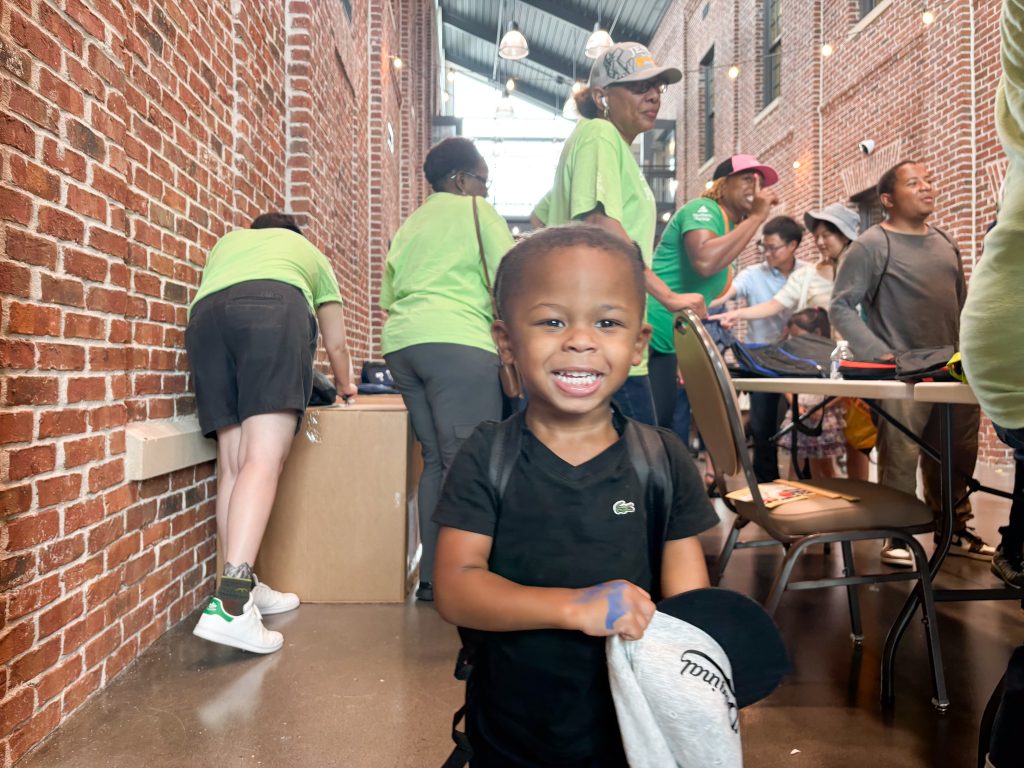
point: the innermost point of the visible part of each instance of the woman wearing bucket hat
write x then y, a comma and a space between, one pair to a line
599, 182
833, 228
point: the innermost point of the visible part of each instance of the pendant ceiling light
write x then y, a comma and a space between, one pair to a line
598, 42
504, 107
513, 45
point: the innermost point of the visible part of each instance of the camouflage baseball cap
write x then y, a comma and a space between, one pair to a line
629, 63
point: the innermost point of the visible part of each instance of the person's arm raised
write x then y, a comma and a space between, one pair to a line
331, 318
710, 253
468, 594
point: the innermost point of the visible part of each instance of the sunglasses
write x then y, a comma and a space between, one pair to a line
643, 86
481, 179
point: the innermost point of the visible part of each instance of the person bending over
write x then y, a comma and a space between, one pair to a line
251, 339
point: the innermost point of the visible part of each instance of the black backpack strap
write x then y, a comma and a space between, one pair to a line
885, 264
649, 457
463, 752
888, 253
504, 451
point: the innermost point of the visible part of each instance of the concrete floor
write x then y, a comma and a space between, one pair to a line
371, 686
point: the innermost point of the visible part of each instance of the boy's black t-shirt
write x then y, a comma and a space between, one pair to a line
541, 697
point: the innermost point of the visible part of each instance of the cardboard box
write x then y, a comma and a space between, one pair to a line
344, 524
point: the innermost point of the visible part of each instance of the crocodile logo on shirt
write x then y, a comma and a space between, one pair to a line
622, 507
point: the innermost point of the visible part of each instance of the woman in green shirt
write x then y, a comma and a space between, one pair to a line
599, 182
437, 338
251, 339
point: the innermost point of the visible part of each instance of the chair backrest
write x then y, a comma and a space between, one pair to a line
715, 408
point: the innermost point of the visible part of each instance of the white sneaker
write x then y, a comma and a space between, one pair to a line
967, 543
245, 632
896, 555
270, 601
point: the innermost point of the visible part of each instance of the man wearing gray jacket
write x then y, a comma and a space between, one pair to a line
908, 278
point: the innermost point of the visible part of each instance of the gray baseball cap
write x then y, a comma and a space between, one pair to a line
839, 216
629, 63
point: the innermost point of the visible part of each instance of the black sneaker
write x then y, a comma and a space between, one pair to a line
1009, 569
425, 592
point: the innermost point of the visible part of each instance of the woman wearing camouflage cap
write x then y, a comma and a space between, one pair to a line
599, 182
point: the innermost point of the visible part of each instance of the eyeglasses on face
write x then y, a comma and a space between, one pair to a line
481, 179
643, 86
761, 247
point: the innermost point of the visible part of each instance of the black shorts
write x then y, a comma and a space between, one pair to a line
250, 348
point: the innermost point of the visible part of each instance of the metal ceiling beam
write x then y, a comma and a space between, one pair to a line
570, 14
539, 56
542, 97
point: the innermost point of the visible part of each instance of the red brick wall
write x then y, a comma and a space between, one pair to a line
132, 137
905, 85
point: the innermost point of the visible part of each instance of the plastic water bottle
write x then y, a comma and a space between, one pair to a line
840, 353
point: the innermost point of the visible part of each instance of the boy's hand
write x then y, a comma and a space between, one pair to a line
727, 320
613, 608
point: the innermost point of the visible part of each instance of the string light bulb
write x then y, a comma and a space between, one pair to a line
577, 87
734, 72
510, 85
450, 76
796, 165
826, 50
927, 18
709, 184
397, 63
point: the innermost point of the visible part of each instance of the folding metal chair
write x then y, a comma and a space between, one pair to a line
879, 513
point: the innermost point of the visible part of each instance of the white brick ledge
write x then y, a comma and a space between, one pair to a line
154, 448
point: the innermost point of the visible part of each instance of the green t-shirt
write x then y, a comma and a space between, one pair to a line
992, 323
673, 266
597, 166
269, 254
433, 287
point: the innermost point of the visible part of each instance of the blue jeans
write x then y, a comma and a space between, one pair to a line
635, 400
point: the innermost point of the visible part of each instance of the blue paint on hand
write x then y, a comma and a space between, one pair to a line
616, 605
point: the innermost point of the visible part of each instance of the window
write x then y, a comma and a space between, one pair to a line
707, 84
865, 7
869, 206
772, 52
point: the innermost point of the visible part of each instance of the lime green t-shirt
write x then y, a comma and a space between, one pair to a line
269, 254
992, 324
597, 166
673, 266
433, 287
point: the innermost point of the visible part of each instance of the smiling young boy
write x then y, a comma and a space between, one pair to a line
561, 560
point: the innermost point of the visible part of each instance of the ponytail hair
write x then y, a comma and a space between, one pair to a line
585, 104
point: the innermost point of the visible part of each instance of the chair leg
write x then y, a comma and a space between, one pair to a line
727, 550
857, 633
924, 595
782, 578
941, 700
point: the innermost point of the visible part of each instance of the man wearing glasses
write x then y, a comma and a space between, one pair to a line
758, 283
